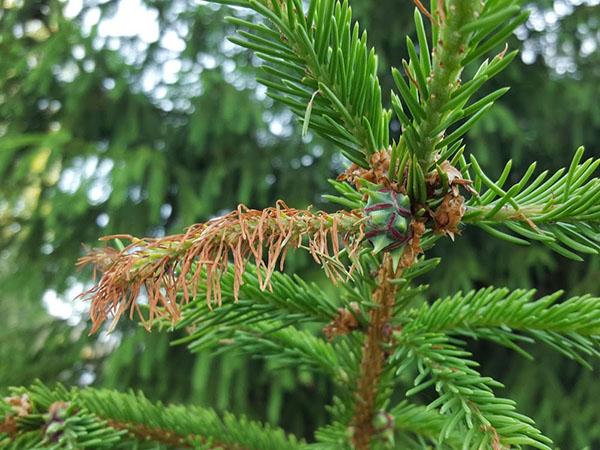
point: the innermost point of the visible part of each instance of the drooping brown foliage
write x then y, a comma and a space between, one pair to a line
169, 270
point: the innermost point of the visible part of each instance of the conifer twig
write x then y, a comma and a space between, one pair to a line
448, 53
104, 419
169, 269
320, 50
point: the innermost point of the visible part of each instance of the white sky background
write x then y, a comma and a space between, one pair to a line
133, 18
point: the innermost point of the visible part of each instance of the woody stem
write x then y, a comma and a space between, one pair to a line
373, 356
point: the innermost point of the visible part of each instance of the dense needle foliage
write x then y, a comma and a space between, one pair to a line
403, 377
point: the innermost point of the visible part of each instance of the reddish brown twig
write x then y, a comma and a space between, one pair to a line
170, 269
424, 10
377, 336
145, 432
373, 357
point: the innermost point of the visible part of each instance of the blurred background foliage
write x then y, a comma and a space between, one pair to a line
138, 116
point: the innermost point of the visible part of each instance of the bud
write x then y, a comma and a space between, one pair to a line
382, 421
55, 428
389, 215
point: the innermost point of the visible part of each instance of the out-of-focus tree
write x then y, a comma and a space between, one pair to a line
109, 126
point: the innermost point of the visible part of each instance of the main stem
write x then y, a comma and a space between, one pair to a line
373, 355
448, 54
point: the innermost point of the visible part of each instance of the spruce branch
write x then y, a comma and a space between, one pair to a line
572, 327
289, 301
96, 418
561, 211
485, 420
409, 418
290, 347
170, 269
260, 323
448, 53
321, 67
403, 197
406, 425
491, 307
432, 99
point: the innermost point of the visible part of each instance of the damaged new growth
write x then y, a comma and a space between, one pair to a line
169, 270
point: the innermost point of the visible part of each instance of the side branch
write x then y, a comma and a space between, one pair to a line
320, 66
43, 417
170, 269
146, 433
562, 211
